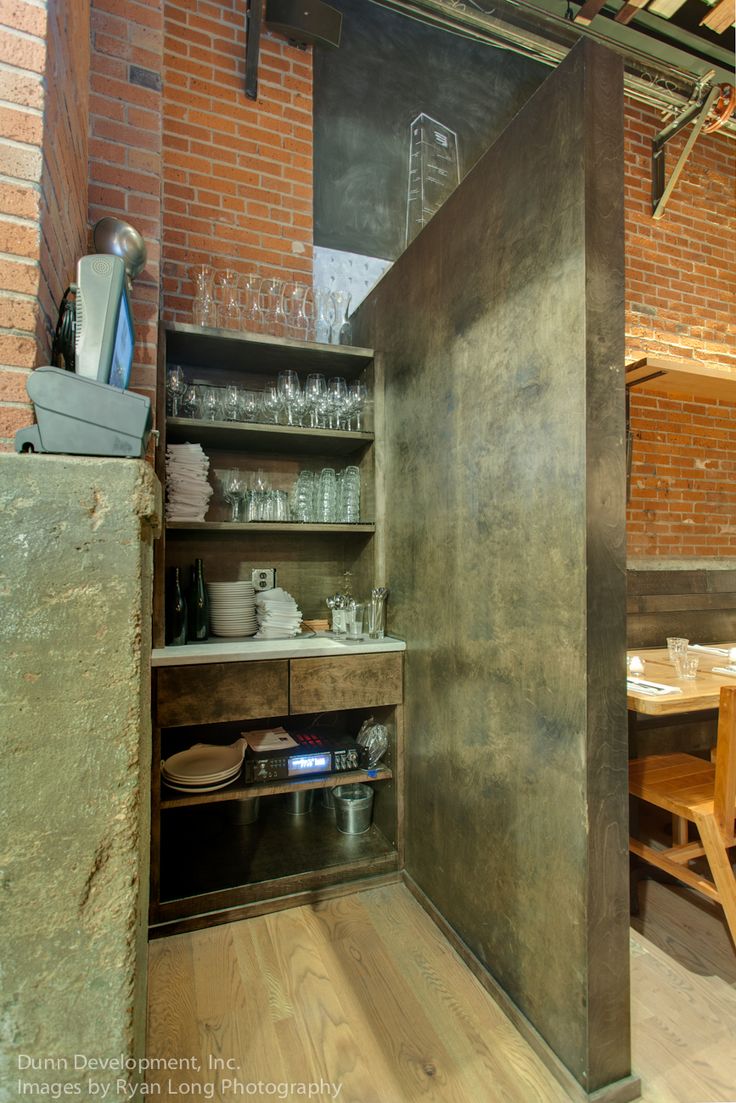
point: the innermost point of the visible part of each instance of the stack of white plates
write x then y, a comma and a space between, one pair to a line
188, 492
278, 615
204, 768
232, 608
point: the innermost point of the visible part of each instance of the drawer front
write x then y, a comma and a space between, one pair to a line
347, 682
218, 692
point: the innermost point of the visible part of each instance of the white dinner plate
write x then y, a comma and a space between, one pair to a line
204, 759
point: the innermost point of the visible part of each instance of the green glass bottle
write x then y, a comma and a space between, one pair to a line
198, 604
176, 612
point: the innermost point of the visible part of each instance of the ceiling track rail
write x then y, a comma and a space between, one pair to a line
656, 83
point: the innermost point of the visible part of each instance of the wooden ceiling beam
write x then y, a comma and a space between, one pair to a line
589, 11
721, 16
629, 10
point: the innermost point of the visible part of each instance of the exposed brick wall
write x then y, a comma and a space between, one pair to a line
680, 303
125, 148
22, 64
237, 173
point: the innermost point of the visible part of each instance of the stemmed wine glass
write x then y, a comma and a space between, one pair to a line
176, 386
315, 391
337, 393
232, 403
290, 390
357, 396
252, 311
234, 491
324, 315
272, 402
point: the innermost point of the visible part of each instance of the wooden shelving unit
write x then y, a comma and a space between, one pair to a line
170, 798
294, 528
206, 866
256, 437
668, 376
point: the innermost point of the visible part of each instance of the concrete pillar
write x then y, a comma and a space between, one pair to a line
75, 595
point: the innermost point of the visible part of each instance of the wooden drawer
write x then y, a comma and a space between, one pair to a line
217, 692
348, 682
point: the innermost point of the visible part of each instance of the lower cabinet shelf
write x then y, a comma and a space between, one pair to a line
212, 862
239, 792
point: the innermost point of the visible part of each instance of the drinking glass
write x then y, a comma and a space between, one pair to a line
324, 306
204, 307
289, 388
176, 386
293, 314
232, 403
252, 310
354, 621
327, 497
337, 394
307, 315
235, 489
229, 311
688, 666
342, 330
191, 402
358, 396
376, 611
210, 404
316, 393
249, 405
272, 403
271, 292
676, 646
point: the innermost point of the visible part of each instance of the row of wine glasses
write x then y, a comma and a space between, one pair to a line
318, 497
283, 308
318, 403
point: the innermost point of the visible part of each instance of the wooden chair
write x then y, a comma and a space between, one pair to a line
701, 793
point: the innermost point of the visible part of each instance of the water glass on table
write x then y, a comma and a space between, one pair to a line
354, 622
687, 666
676, 648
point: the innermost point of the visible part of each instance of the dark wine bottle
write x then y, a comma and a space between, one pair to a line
198, 604
176, 614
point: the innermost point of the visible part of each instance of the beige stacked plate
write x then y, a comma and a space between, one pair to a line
204, 768
232, 608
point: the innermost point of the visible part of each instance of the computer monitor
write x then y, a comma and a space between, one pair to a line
105, 336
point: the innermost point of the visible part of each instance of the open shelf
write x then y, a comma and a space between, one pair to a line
237, 791
266, 438
667, 376
209, 852
233, 350
297, 528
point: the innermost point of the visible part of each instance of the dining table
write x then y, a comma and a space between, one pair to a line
692, 694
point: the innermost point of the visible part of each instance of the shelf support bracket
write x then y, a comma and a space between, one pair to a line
697, 112
253, 19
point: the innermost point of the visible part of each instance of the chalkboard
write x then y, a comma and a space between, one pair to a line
388, 70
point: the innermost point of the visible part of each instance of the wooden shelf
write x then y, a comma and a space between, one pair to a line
687, 377
266, 438
237, 791
209, 853
296, 528
192, 346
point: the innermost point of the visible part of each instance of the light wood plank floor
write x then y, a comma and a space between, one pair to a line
363, 991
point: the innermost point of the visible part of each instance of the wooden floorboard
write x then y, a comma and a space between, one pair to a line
364, 991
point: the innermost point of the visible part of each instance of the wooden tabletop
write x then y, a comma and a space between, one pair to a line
701, 692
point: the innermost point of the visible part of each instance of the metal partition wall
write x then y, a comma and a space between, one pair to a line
499, 333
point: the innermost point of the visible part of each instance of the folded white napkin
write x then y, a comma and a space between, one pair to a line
730, 670
708, 650
656, 689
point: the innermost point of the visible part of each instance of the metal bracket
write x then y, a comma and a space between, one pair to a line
253, 20
697, 112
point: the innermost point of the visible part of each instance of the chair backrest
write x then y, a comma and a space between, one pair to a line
725, 794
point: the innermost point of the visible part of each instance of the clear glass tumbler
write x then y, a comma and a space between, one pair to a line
354, 615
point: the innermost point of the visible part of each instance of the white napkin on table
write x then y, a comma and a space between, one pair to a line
730, 670
656, 689
708, 650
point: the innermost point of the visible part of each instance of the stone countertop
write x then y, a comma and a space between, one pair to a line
221, 650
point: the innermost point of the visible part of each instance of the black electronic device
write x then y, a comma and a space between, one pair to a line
300, 754
305, 22
83, 417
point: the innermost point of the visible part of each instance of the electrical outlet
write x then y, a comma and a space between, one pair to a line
264, 578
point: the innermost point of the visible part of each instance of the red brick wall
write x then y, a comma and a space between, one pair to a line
22, 64
680, 303
125, 148
237, 173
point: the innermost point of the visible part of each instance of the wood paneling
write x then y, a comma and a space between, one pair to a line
217, 692
353, 681
499, 333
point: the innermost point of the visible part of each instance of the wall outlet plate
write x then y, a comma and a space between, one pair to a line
264, 578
